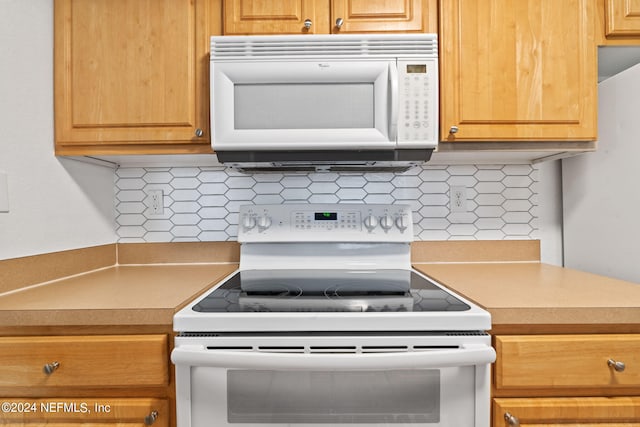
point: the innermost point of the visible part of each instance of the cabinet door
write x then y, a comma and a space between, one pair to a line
131, 72
622, 18
375, 16
518, 70
596, 411
85, 412
573, 362
275, 17
60, 362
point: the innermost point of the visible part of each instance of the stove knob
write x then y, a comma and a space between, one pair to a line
386, 222
401, 223
371, 222
248, 222
264, 222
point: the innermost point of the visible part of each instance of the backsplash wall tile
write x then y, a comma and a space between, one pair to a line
201, 204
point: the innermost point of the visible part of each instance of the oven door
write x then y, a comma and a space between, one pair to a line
430, 387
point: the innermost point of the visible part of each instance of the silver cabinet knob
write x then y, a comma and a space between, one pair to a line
339, 23
618, 366
453, 129
151, 418
199, 132
307, 23
512, 420
50, 368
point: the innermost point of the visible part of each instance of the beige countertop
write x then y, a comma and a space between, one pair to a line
537, 294
117, 295
153, 281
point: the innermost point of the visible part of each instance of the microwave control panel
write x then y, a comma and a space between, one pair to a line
417, 101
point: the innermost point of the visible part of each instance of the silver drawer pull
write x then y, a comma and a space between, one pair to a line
49, 368
307, 23
618, 366
151, 418
512, 420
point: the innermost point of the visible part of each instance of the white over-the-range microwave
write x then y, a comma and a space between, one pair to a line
328, 102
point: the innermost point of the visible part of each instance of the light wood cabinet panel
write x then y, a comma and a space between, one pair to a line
269, 17
622, 18
131, 76
374, 16
84, 361
603, 412
85, 412
357, 16
567, 361
518, 70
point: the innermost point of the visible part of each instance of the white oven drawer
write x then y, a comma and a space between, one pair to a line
436, 387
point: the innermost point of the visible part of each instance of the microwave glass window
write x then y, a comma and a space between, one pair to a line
416, 68
298, 106
325, 397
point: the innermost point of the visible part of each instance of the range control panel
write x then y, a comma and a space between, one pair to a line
325, 223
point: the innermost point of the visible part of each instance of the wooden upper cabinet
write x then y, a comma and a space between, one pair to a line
373, 16
622, 18
518, 70
131, 76
329, 16
274, 17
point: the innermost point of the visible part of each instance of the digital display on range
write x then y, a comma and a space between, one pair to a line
326, 216
417, 68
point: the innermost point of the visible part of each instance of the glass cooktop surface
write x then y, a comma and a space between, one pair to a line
328, 291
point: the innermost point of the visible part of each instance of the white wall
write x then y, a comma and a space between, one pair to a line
601, 189
54, 204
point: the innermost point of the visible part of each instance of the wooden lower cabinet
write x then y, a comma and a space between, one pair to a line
81, 411
88, 380
566, 379
584, 411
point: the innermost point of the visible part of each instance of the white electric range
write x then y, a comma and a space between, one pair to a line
325, 322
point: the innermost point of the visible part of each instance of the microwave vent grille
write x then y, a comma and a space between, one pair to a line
319, 46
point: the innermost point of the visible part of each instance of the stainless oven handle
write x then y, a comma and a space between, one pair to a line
477, 354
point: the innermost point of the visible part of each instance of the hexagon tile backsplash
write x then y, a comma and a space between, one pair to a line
201, 204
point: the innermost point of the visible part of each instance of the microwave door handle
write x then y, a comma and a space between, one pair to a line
478, 354
393, 114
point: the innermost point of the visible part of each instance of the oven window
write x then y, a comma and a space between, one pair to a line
304, 106
393, 397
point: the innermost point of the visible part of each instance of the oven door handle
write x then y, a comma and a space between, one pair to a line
466, 355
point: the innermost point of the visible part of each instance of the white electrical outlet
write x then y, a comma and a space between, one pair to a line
156, 202
458, 199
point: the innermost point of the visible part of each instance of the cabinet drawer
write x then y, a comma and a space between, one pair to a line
84, 361
594, 411
573, 361
94, 412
